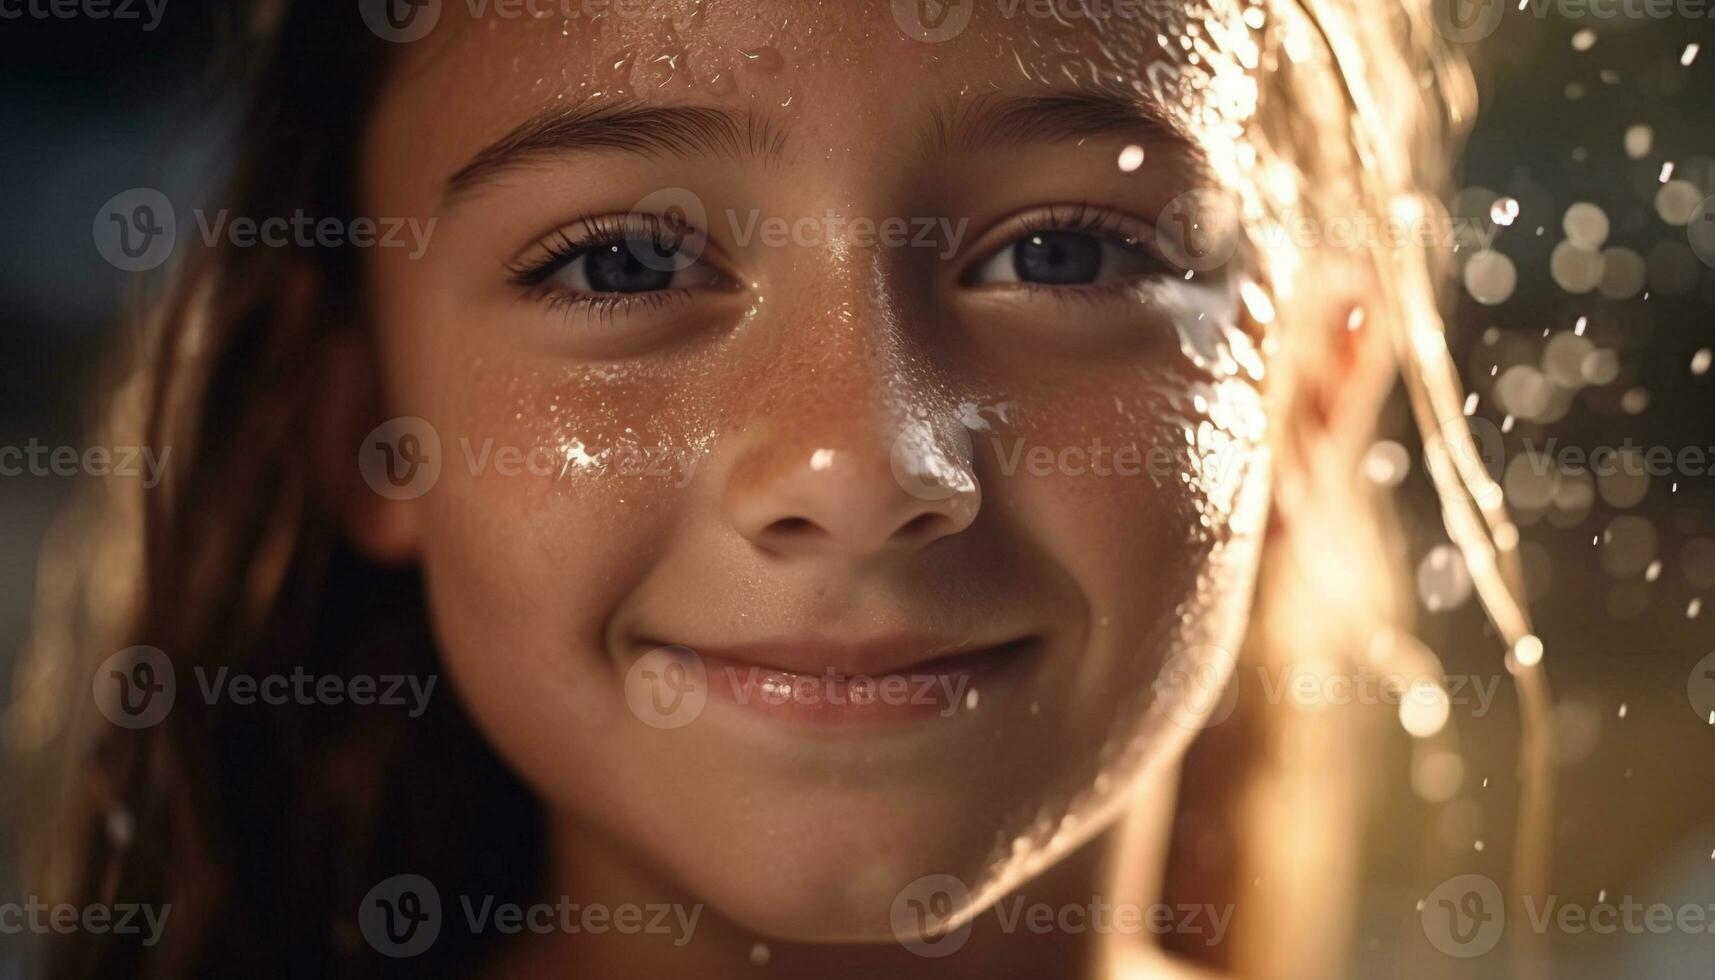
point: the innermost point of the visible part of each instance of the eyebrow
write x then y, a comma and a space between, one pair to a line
991, 121
983, 123
630, 127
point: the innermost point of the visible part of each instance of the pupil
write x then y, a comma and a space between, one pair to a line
1058, 258
617, 269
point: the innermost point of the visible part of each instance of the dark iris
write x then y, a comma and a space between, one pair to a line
1058, 258
617, 268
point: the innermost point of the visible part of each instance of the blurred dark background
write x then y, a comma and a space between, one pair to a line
1618, 113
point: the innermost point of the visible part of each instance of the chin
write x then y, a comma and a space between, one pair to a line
844, 873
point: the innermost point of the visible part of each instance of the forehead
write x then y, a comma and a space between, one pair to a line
841, 74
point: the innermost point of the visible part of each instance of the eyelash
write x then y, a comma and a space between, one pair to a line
1084, 217
562, 248
1090, 219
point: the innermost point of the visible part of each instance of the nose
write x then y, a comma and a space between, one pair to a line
860, 493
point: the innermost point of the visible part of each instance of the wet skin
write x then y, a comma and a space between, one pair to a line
1029, 439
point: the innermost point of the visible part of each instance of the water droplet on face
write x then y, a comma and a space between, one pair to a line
766, 59
759, 954
1131, 158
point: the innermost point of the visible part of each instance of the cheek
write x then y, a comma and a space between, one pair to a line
561, 486
1136, 477
560, 489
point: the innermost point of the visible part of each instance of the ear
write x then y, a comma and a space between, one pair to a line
1350, 372
349, 408
1338, 364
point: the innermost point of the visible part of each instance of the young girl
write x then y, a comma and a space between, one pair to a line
806, 487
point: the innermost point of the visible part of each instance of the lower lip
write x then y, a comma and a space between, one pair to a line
944, 689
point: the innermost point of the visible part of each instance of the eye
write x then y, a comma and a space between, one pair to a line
1070, 247
1066, 258
615, 259
631, 266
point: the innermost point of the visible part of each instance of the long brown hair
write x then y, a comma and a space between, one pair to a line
262, 828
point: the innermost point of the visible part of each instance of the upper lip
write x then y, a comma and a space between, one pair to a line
894, 653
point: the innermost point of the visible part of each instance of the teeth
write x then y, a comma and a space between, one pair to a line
858, 690
777, 687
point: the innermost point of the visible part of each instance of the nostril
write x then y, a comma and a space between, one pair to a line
924, 525
794, 528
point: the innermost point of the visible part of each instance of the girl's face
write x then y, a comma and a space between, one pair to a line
841, 482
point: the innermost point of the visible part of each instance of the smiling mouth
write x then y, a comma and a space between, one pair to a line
873, 684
